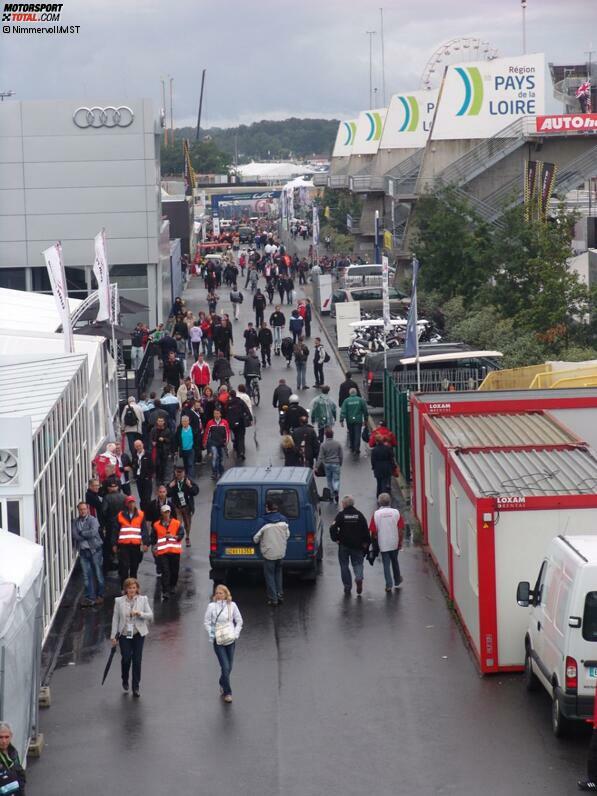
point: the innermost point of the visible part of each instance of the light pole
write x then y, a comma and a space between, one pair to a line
523, 5
371, 34
383, 61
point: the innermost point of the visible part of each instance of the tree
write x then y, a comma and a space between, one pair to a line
341, 204
532, 282
453, 245
206, 158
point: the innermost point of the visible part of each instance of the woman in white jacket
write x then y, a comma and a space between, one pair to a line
223, 623
132, 612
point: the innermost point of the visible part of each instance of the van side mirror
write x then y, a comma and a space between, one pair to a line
524, 595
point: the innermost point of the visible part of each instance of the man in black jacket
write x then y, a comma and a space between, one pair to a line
265, 344
173, 370
238, 417
351, 532
221, 370
281, 395
382, 464
143, 472
251, 338
293, 416
305, 437
345, 388
181, 494
259, 305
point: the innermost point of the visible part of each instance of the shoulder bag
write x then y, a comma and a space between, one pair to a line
225, 634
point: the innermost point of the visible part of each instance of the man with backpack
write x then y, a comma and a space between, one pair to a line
354, 411
215, 440
237, 298
301, 355
320, 356
132, 422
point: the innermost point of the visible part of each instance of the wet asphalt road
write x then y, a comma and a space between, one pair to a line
332, 695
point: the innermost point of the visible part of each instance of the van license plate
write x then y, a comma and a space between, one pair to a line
239, 551
592, 671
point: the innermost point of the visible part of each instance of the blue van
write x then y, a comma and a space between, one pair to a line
238, 510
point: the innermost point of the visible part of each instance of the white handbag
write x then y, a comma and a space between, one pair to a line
225, 633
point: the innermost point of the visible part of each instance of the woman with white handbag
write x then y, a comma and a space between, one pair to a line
223, 623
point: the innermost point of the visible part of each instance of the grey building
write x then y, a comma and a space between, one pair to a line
69, 168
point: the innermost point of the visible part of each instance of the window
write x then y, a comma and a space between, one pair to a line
454, 522
428, 480
549, 600
589, 618
12, 278
240, 504
539, 589
561, 613
286, 500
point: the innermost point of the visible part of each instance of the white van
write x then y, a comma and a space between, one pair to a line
561, 640
361, 275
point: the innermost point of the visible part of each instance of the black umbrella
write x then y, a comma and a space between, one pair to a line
127, 307
103, 329
109, 663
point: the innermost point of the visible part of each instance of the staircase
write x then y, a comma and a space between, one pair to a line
487, 153
403, 177
576, 172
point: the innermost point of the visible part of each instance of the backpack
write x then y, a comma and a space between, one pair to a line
130, 418
326, 358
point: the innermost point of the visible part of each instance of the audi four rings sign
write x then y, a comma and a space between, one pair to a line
110, 116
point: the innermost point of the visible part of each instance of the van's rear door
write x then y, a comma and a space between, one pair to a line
584, 646
290, 500
238, 523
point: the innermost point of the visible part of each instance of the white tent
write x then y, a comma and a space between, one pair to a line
21, 580
25, 310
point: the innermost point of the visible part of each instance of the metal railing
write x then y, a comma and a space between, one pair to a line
395, 408
577, 171
402, 179
320, 179
338, 181
487, 153
439, 380
145, 372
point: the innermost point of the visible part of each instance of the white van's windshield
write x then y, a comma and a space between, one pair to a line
589, 619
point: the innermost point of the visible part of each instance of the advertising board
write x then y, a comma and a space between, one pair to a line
409, 119
345, 138
369, 131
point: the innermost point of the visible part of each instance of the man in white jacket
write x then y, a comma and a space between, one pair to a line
273, 539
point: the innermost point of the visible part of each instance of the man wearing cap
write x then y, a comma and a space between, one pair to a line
181, 494
130, 539
166, 538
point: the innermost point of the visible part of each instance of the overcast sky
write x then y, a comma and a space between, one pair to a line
271, 58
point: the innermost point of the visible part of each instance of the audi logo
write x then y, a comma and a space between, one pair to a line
110, 116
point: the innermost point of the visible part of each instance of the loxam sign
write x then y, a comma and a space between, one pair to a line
408, 121
369, 130
478, 100
345, 138
510, 502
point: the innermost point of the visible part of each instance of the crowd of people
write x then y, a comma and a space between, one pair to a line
199, 416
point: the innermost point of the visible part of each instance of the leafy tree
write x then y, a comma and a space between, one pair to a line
453, 245
205, 157
341, 204
532, 282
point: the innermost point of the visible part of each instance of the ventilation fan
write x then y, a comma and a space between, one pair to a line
9, 466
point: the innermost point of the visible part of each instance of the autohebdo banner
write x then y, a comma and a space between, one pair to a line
567, 123
345, 138
408, 121
479, 99
369, 129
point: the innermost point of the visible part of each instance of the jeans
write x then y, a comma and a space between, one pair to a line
136, 356
266, 355
225, 655
188, 458
131, 650
91, 564
384, 484
131, 438
332, 474
196, 349
389, 560
238, 440
217, 460
354, 436
277, 330
346, 556
318, 372
236, 309
169, 564
272, 572
301, 374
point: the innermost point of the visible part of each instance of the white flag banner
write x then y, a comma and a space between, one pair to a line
100, 269
315, 225
215, 222
385, 293
55, 266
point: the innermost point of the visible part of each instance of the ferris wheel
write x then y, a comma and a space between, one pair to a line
452, 51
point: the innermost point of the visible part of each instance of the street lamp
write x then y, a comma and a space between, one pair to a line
523, 5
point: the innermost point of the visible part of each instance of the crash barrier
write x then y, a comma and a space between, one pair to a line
395, 403
544, 376
438, 379
145, 372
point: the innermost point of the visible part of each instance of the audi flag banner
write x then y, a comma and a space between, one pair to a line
530, 183
102, 275
315, 225
55, 266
